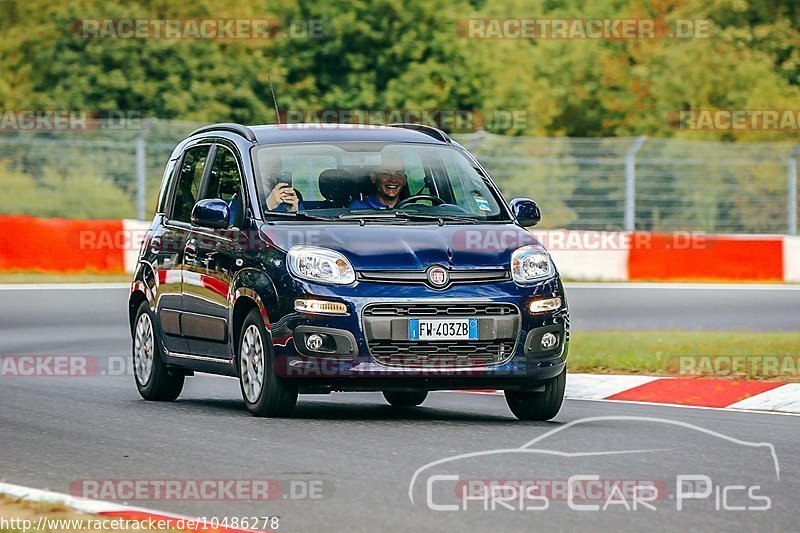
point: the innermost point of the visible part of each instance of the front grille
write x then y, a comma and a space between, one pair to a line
484, 275
391, 350
441, 353
440, 309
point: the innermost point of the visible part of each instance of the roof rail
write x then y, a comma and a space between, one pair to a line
239, 129
430, 131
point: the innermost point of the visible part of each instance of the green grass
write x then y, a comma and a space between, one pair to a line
774, 355
49, 277
15, 508
44, 507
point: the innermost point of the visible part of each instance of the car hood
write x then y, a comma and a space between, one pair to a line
408, 246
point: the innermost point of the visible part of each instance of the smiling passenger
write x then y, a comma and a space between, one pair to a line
388, 182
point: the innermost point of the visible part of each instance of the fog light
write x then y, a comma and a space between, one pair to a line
314, 342
549, 341
320, 306
543, 306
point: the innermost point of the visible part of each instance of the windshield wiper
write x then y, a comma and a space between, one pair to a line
403, 216
298, 214
440, 218
363, 218
356, 216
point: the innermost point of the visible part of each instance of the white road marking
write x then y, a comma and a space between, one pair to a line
92, 507
590, 386
62, 286
679, 406
785, 398
686, 286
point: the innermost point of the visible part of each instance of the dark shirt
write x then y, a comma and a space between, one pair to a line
370, 202
286, 207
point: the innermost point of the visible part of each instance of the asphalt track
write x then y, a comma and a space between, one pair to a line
364, 454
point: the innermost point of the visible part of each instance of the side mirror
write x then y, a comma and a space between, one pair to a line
526, 212
211, 213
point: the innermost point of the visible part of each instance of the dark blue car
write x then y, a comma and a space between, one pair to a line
319, 258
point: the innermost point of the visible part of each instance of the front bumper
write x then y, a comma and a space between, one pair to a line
359, 368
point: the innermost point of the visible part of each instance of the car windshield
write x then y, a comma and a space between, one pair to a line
373, 181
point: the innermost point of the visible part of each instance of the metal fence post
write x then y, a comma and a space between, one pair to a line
792, 184
630, 183
141, 169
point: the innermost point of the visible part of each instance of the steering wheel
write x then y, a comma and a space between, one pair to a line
435, 200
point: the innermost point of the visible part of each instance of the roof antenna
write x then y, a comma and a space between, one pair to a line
277, 114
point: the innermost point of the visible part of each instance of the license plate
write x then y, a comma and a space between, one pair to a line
442, 329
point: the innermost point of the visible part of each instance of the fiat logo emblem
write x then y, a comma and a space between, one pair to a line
438, 276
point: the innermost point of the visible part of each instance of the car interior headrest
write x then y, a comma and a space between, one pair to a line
338, 185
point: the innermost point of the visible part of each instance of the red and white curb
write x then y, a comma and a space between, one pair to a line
694, 392
112, 510
741, 395
112, 246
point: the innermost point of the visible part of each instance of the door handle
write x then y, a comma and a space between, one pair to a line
190, 249
155, 245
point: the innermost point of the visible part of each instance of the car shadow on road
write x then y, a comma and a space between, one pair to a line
377, 412
356, 411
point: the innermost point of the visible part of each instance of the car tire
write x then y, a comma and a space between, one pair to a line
264, 393
153, 379
405, 398
544, 405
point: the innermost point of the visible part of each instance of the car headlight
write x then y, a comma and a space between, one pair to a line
531, 263
320, 265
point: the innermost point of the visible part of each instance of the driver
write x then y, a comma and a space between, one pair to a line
387, 181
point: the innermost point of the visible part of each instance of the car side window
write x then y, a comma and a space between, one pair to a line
166, 184
225, 183
192, 166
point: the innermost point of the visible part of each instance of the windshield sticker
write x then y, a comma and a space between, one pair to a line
482, 204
